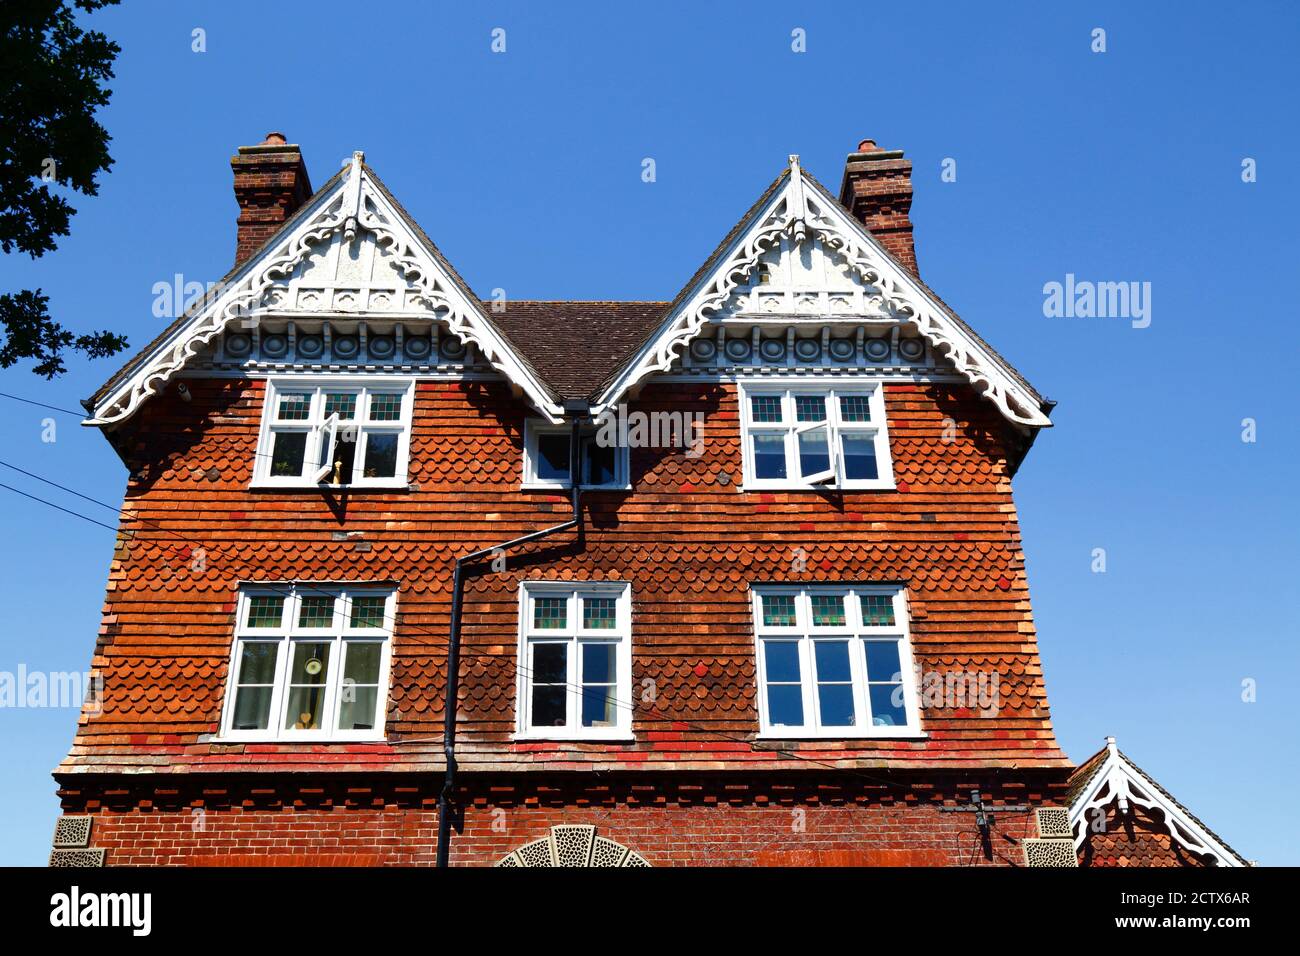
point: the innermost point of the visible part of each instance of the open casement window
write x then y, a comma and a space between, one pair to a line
815, 436
575, 661
547, 458
834, 662
310, 662
330, 432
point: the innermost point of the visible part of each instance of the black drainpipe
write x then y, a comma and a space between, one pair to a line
577, 413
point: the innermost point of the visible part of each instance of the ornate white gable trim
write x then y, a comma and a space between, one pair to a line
1118, 779
354, 207
803, 211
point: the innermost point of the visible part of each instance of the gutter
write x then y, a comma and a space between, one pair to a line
577, 412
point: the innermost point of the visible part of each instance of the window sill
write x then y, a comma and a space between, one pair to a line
305, 741
313, 486
895, 733
535, 486
616, 737
764, 486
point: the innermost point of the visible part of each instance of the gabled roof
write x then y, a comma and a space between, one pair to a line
1109, 775
353, 202
795, 204
555, 351
577, 346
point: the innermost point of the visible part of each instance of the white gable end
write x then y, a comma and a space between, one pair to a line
352, 256
800, 255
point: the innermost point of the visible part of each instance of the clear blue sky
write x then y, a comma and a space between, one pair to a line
525, 168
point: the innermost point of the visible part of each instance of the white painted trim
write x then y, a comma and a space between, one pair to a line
1118, 778
534, 429
788, 388
353, 205
573, 635
857, 634
800, 209
285, 635
366, 385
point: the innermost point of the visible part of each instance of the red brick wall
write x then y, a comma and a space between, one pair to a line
705, 823
687, 540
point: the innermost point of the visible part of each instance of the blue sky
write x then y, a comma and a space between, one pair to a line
525, 168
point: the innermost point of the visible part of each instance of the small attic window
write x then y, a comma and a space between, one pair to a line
547, 462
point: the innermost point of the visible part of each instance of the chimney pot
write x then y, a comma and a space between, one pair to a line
271, 184
877, 191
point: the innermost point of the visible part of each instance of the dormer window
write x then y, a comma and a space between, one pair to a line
337, 433
547, 459
804, 437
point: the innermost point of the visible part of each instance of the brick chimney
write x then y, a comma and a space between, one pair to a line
877, 190
270, 184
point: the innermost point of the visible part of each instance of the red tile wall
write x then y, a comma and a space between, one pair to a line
686, 538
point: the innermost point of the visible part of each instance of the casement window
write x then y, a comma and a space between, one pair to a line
336, 433
547, 460
575, 661
815, 437
310, 662
834, 662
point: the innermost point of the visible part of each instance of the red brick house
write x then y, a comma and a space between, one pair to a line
784, 618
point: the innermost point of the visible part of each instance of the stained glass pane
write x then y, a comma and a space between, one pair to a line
810, 408
855, 408
778, 610
316, 611
294, 406
765, 408
367, 611
343, 404
265, 610
599, 613
385, 407
550, 613
828, 610
877, 609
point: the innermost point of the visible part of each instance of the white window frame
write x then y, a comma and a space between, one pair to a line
790, 427
534, 429
339, 634
857, 634
322, 430
574, 635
